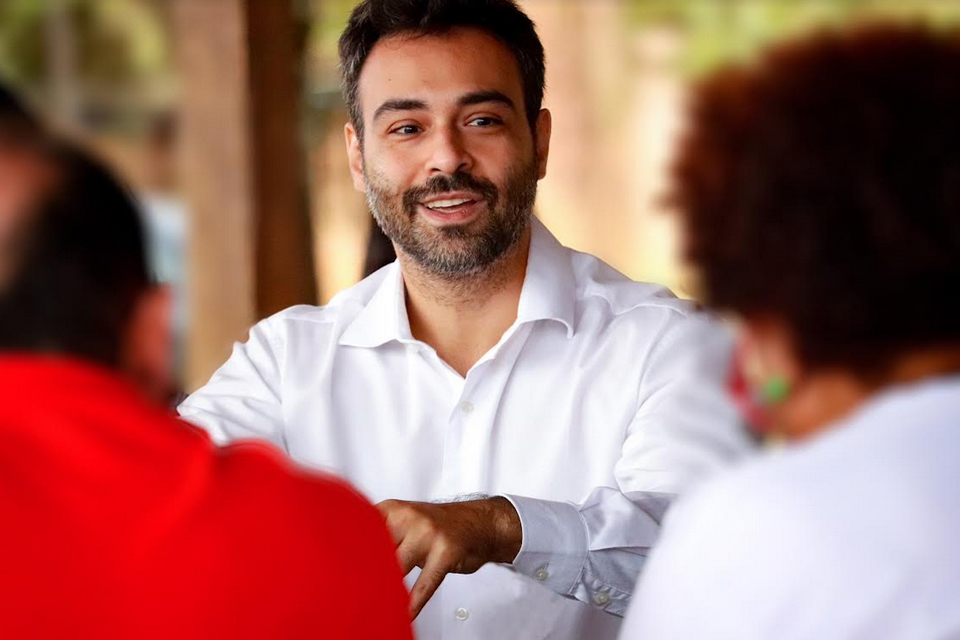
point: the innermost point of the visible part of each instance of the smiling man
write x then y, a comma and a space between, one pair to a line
523, 412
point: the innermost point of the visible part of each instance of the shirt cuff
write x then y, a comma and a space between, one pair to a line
554, 547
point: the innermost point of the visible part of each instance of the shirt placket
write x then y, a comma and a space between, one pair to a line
467, 465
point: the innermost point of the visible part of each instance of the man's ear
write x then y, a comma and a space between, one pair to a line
544, 129
355, 157
148, 346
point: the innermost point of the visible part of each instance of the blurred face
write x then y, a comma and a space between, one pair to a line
763, 360
448, 161
23, 177
782, 396
147, 356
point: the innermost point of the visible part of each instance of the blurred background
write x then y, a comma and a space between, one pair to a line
225, 118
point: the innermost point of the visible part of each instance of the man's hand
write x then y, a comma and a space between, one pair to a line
453, 537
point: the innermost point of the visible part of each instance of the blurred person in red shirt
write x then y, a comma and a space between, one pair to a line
118, 519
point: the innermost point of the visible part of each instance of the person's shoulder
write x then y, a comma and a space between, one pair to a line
258, 467
777, 508
788, 533
340, 309
629, 305
721, 560
598, 281
320, 324
308, 511
648, 316
311, 537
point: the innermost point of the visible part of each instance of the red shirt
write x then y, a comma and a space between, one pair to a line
118, 520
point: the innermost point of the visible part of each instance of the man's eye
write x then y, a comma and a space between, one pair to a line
484, 122
406, 130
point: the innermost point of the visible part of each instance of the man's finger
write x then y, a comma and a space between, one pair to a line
427, 584
410, 554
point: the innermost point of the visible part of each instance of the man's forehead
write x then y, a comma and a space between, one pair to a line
445, 65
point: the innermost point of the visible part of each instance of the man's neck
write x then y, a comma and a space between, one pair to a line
463, 318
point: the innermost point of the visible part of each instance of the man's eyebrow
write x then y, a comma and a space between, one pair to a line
399, 104
491, 95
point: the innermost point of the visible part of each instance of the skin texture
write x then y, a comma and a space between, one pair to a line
820, 396
457, 537
444, 118
23, 177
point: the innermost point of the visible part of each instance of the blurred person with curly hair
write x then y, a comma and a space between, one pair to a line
819, 191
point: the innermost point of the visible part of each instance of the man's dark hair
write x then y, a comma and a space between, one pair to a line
81, 264
373, 20
821, 186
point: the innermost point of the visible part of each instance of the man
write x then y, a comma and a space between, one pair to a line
488, 360
119, 521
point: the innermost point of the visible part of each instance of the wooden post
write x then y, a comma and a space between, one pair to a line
250, 241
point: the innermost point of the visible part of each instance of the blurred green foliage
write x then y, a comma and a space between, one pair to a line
720, 31
715, 31
126, 44
117, 43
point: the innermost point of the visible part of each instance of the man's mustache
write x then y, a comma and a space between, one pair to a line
459, 181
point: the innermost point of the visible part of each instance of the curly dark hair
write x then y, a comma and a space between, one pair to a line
373, 20
821, 186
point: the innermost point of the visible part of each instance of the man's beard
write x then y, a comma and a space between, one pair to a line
456, 251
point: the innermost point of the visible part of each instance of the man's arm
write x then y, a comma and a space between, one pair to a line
456, 537
242, 400
684, 429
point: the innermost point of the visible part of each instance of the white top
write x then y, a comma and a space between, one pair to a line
602, 401
855, 535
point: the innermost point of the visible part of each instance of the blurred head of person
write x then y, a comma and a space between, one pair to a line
73, 275
447, 136
819, 196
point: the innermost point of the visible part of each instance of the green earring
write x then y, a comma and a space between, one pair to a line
775, 390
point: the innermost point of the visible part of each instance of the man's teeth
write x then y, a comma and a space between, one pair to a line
446, 204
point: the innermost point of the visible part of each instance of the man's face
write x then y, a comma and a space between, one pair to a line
448, 161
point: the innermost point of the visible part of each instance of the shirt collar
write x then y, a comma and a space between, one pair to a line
384, 318
549, 288
549, 293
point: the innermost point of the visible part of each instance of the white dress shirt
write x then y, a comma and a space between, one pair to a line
854, 536
600, 403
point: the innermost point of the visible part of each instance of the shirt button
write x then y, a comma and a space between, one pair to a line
461, 614
541, 574
466, 406
601, 598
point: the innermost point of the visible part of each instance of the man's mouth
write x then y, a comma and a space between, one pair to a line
444, 205
451, 203
453, 208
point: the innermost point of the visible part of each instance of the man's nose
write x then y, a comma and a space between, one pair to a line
450, 153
